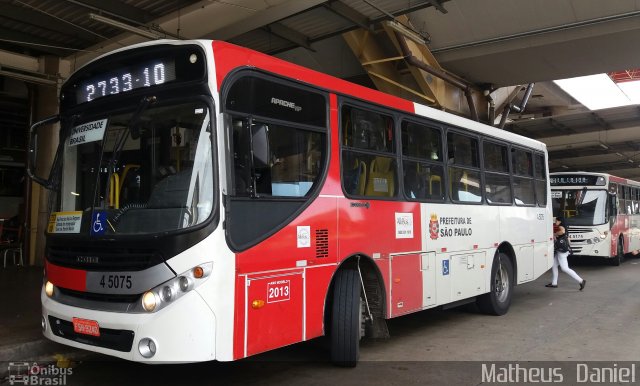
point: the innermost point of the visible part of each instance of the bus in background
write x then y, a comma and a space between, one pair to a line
211, 202
602, 213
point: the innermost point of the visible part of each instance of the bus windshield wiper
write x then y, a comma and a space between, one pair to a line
132, 128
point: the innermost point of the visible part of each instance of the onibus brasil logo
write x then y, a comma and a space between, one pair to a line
24, 373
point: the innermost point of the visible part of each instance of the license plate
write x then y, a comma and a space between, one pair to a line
86, 327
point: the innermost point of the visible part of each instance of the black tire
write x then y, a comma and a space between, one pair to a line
346, 319
498, 300
619, 257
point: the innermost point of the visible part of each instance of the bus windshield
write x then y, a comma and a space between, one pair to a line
580, 207
145, 171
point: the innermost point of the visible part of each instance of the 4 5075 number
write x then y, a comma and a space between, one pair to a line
116, 281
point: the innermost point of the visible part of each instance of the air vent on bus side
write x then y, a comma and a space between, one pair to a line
322, 243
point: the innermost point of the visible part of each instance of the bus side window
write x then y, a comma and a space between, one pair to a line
366, 137
423, 171
464, 176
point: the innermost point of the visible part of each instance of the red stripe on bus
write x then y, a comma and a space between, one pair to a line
73, 279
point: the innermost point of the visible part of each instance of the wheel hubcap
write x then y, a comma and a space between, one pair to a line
501, 283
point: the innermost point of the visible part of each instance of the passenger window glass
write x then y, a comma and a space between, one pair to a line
463, 150
540, 169
496, 157
522, 165
541, 192
368, 175
423, 170
497, 188
523, 191
465, 185
366, 137
423, 181
541, 180
368, 130
420, 141
275, 160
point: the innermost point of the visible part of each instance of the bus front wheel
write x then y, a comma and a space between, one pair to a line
346, 318
498, 299
619, 257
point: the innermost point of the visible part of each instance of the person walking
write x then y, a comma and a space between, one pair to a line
560, 253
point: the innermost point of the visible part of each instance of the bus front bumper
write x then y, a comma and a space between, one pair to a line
181, 332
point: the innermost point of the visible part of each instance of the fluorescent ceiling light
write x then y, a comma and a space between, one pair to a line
631, 90
409, 33
124, 26
595, 91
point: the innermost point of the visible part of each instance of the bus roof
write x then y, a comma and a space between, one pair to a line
234, 56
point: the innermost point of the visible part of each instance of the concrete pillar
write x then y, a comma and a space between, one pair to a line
46, 104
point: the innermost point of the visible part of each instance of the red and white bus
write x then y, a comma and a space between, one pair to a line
602, 213
212, 202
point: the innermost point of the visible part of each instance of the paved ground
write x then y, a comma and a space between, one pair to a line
430, 347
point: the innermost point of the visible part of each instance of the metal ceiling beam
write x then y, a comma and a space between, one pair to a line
117, 9
437, 4
557, 125
31, 17
34, 43
263, 18
342, 9
25, 62
402, 11
289, 34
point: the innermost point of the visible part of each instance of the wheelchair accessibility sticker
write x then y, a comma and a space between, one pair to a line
445, 267
98, 222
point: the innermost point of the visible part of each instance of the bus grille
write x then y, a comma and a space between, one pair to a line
112, 260
322, 243
120, 340
110, 298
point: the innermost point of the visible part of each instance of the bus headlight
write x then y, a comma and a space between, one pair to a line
169, 291
48, 288
149, 301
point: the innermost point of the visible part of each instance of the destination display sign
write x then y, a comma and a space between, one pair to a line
148, 74
577, 179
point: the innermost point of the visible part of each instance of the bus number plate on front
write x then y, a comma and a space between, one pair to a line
86, 327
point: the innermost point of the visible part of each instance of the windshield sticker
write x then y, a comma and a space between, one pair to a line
98, 222
88, 132
556, 194
65, 222
404, 225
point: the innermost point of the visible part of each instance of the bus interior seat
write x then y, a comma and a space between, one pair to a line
381, 179
355, 178
435, 181
165, 210
414, 182
458, 182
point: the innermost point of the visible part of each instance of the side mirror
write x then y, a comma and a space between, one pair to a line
260, 145
613, 207
39, 174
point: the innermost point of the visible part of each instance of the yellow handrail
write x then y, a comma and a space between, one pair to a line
114, 191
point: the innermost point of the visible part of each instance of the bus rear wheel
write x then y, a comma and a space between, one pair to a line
346, 318
498, 300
